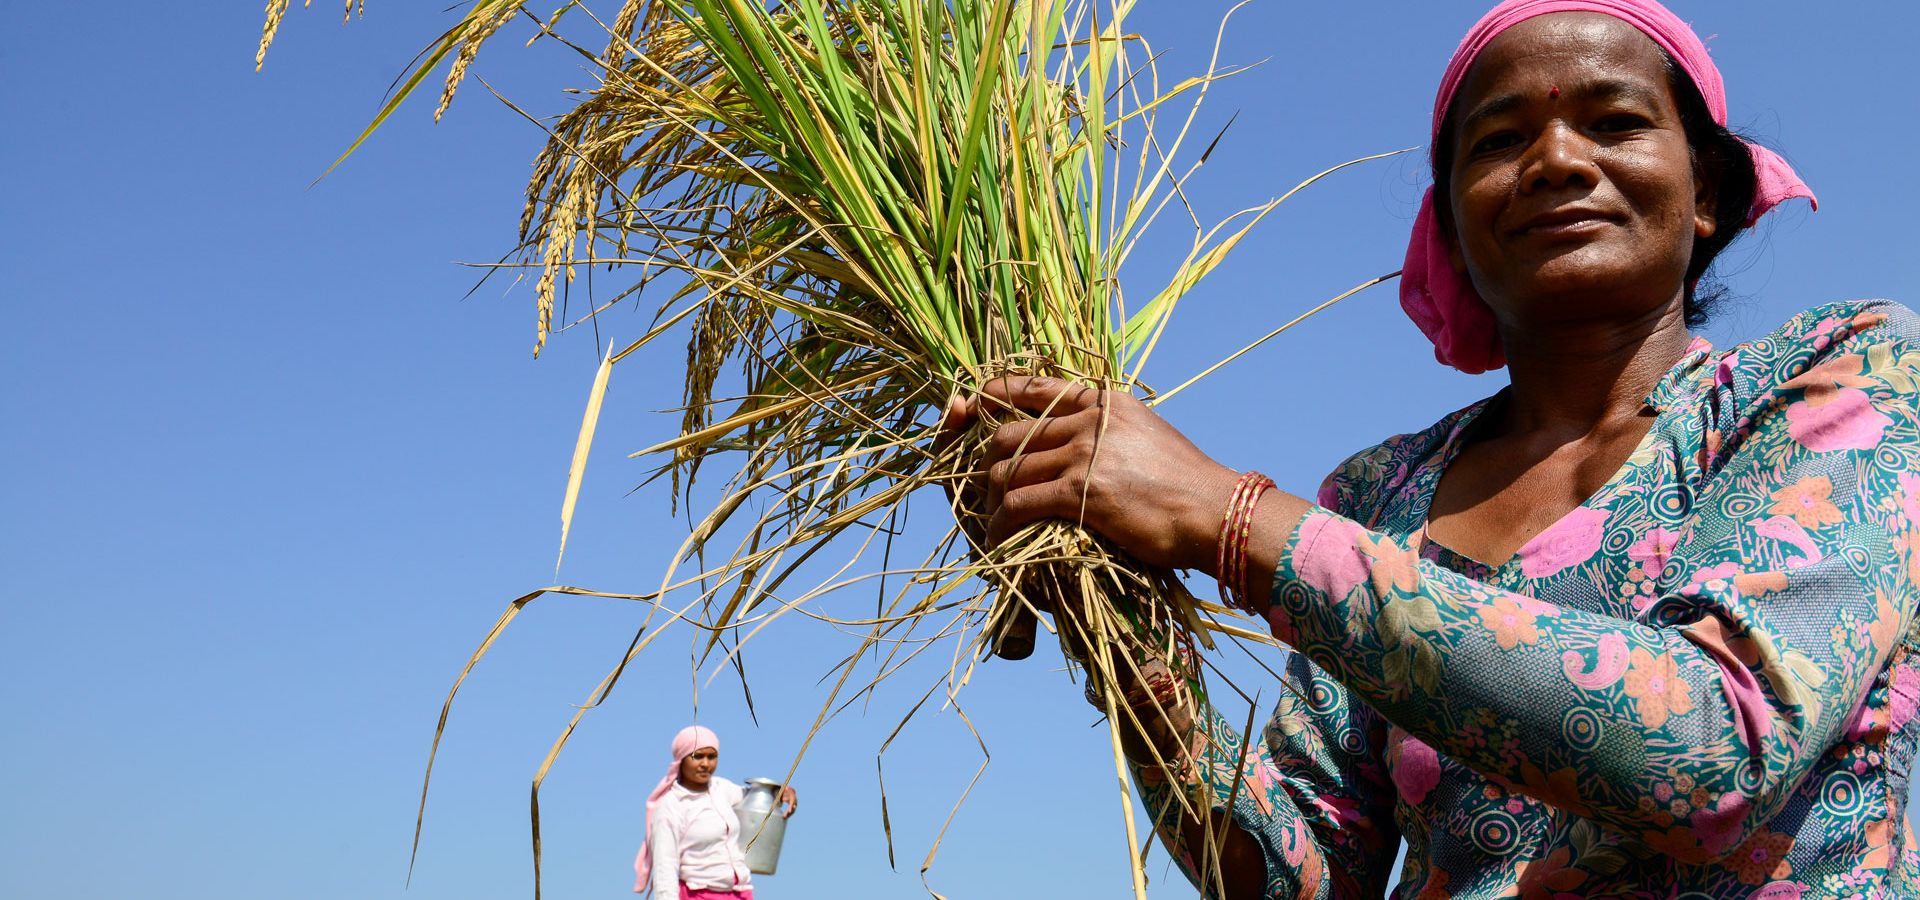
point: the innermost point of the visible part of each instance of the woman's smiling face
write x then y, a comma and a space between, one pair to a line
1573, 191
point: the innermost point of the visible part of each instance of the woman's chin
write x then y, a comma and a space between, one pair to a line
1582, 273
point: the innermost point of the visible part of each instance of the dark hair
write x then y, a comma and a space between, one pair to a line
1718, 154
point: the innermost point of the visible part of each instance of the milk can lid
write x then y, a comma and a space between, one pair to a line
763, 782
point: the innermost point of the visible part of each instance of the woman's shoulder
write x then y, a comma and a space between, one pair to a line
1358, 486
1830, 330
1834, 377
726, 790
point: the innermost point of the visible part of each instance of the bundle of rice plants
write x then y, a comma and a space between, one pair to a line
859, 208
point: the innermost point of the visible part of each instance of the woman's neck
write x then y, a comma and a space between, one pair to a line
1577, 377
696, 788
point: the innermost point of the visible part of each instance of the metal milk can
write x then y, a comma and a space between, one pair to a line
761, 825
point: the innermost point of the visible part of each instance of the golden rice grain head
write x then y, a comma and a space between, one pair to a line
622, 31
470, 48
276, 10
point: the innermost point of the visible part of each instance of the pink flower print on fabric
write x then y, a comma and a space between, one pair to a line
1718, 826
1416, 770
1569, 542
1653, 550
1846, 420
1334, 562
1780, 890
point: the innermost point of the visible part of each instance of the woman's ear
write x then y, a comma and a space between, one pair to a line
1706, 201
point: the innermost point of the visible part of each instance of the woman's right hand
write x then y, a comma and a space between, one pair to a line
1100, 459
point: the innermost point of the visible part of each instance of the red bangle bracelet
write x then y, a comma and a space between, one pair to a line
1236, 530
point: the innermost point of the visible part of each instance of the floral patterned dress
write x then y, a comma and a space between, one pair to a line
1701, 683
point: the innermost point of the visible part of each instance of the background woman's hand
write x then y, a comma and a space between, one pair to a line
1101, 459
790, 799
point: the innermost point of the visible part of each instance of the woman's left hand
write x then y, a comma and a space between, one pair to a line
791, 799
1101, 459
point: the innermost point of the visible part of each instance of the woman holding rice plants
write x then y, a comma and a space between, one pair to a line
1639, 624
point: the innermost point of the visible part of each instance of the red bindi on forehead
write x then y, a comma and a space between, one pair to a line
1580, 56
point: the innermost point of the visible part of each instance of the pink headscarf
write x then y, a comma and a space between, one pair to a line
1443, 302
690, 738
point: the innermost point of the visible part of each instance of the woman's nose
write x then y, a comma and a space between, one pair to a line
1560, 156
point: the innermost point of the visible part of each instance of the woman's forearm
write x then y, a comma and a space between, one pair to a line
1242, 870
1197, 785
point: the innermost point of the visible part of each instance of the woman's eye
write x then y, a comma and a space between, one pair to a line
1499, 140
1620, 122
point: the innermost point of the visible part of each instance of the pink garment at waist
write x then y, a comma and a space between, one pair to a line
687, 893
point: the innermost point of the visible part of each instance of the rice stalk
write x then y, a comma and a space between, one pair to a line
861, 208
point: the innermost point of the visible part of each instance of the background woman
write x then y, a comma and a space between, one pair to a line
692, 848
1639, 624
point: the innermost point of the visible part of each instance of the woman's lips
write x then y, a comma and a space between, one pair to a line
1564, 223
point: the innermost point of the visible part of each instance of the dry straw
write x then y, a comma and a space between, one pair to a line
857, 208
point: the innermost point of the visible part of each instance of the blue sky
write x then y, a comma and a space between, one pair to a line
271, 473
